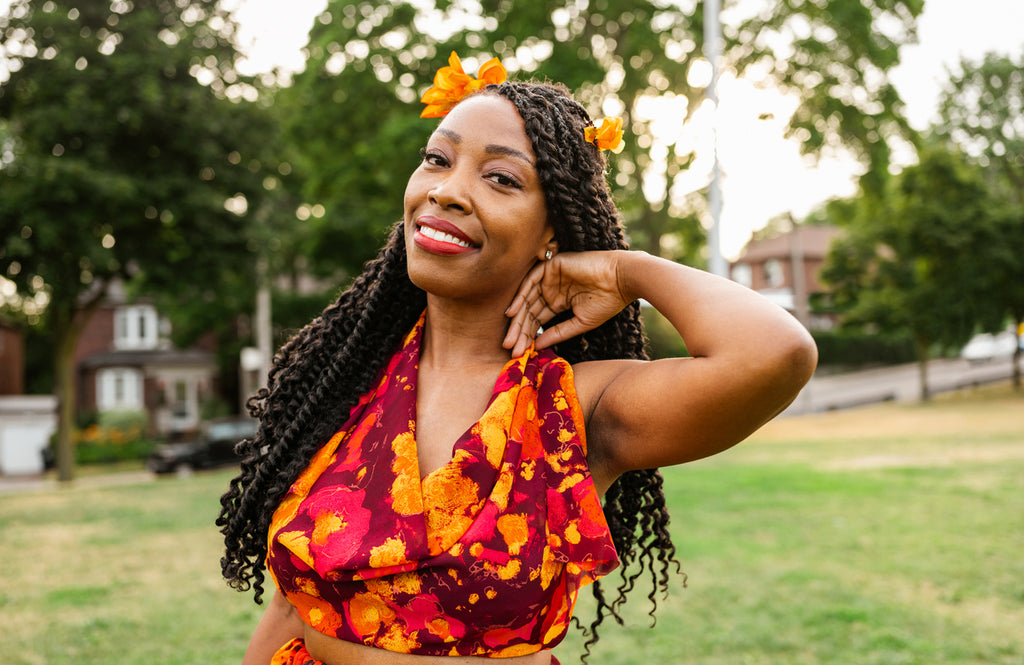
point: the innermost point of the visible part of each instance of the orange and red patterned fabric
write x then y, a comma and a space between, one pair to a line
484, 556
294, 653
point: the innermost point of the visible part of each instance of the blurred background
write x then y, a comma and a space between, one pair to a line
183, 184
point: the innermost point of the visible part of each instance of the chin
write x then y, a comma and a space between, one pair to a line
434, 281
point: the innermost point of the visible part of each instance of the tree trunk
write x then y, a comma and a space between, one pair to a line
68, 323
922, 366
64, 385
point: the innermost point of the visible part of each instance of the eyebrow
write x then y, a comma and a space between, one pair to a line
491, 149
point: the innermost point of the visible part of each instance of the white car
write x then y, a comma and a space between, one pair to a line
987, 346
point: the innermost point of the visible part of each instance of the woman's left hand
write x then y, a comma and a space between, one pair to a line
586, 282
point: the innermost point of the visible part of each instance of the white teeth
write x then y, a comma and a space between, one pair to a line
442, 236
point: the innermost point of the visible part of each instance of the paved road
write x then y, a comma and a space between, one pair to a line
899, 383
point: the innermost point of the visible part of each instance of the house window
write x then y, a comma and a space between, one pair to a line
774, 276
180, 403
741, 274
135, 327
119, 388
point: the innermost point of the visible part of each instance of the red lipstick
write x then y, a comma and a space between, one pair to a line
439, 236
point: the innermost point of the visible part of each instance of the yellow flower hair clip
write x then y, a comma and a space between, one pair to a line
451, 84
606, 137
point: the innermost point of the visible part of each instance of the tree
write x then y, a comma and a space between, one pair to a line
123, 156
835, 59
919, 267
982, 111
356, 144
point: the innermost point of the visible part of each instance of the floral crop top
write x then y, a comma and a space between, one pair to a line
484, 557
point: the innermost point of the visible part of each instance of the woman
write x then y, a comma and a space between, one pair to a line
389, 544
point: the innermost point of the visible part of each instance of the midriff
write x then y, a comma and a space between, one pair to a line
333, 651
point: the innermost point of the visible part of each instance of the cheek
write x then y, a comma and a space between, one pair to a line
415, 190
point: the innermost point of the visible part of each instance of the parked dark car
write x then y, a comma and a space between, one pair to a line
215, 446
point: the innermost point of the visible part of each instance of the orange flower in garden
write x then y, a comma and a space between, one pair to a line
606, 137
451, 84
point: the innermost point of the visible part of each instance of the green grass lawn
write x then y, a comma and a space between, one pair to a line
884, 535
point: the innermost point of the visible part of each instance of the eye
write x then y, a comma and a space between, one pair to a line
503, 179
433, 158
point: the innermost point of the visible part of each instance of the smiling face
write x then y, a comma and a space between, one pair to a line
475, 219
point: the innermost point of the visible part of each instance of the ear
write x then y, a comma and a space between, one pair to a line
550, 246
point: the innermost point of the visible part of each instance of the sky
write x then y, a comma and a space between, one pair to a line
764, 175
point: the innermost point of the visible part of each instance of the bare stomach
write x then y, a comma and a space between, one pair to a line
332, 651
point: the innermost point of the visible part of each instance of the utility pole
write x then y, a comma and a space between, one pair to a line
713, 52
796, 265
264, 333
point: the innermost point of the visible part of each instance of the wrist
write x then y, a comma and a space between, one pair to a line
629, 267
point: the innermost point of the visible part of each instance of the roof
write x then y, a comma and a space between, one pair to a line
814, 243
164, 357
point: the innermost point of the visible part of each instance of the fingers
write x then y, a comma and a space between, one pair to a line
523, 328
530, 309
584, 282
559, 333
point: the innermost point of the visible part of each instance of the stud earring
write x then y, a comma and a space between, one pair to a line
547, 255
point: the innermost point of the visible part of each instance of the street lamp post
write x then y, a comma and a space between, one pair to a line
713, 51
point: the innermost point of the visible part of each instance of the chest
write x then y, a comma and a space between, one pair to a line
448, 403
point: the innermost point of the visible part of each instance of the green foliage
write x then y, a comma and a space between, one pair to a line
846, 349
916, 264
39, 343
836, 59
293, 310
352, 114
113, 436
118, 162
111, 446
663, 341
128, 421
982, 110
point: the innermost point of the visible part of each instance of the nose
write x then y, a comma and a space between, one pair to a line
452, 191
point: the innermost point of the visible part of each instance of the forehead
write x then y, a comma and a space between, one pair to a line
488, 118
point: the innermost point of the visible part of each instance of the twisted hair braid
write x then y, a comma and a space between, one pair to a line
580, 208
318, 376
316, 379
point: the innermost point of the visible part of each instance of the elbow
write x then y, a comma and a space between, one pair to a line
798, 358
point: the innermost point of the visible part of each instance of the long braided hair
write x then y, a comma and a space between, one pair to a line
320, 373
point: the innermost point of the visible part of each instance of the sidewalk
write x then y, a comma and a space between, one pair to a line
48, 482
900, 383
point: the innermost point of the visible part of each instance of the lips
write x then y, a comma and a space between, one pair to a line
438, 236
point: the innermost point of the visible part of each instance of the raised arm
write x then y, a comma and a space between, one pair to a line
749, 357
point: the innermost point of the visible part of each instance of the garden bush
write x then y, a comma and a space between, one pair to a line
855, 349
115, 436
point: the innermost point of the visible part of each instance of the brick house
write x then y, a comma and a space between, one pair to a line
26, 421
786, 270
12, 360
125, 361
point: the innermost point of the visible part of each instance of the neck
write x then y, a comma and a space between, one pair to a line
456, 335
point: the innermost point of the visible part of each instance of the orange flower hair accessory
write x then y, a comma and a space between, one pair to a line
451, 84
606, 137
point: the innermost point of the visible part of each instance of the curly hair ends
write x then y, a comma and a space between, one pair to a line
316, 379
318, 375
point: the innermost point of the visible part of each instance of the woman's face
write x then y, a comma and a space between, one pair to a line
475, 219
